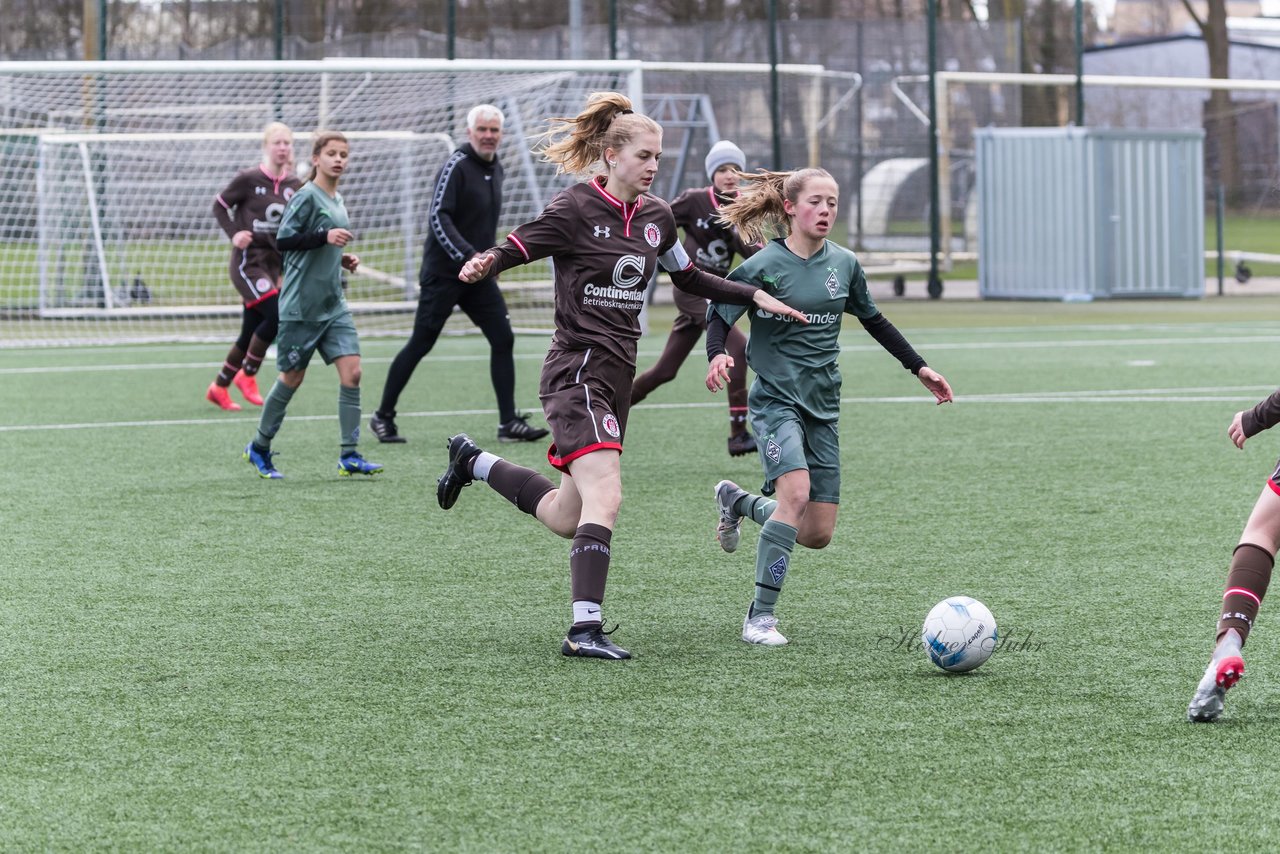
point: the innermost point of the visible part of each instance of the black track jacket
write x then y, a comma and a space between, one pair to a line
462, 220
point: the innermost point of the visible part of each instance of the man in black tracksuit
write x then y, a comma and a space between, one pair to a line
462, 220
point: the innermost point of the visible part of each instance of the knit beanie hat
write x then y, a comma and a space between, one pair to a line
722, 153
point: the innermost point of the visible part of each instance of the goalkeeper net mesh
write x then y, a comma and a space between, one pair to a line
109, 171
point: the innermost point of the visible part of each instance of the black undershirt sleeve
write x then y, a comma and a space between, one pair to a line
302, 242
888, 336
717, 334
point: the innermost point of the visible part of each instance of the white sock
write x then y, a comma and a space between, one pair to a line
586, 612
483, 463
1229, 645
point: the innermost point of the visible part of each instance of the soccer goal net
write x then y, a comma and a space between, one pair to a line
109, 171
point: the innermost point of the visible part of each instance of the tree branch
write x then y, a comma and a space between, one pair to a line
1192, 12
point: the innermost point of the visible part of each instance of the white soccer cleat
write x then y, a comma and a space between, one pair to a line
762, 629
1221, 674
728, 530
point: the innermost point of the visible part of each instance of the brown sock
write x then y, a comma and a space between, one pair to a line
1247, 582
589, 563
229, 367
737, 420
253, 358
521, 486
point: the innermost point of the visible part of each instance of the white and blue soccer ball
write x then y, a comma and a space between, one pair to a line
959, 634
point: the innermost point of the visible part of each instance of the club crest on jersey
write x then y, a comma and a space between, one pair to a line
652, 234
288, 193
610, 425
773, 451
832, 283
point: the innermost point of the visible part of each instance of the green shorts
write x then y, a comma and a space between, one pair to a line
789, 441
298, 340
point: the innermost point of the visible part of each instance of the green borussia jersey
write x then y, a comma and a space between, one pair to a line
312, 289
796, 364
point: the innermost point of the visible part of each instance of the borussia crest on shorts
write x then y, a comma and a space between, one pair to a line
773, 451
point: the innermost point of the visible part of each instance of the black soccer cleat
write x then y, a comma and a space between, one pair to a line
385, 429
741, 444
519, 429
461, 452
592, 641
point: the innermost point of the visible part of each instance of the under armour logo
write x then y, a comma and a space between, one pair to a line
602, 231
702, 223
260, 191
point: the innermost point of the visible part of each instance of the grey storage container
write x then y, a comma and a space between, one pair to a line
1075, 213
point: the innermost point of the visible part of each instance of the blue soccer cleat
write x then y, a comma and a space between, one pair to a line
261, 460
352, 463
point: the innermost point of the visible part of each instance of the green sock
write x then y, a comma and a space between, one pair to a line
773, 557
349, 416
273, 407
755, 507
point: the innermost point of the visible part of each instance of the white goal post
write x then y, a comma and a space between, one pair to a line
108, 171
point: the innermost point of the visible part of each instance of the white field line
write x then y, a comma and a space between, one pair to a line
1204, 394
647, 354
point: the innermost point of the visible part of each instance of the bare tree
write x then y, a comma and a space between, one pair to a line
1222, 151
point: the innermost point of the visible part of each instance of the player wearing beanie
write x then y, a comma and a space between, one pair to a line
712, 246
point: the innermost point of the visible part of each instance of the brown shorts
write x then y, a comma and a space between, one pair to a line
693, 311
586, 395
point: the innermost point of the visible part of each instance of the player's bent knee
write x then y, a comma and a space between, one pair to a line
819, 540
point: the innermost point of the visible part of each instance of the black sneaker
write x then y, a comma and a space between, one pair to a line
741, 444
592, 642
519, 430
461, 452
385, 429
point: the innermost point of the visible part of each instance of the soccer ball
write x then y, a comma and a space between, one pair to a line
959, 634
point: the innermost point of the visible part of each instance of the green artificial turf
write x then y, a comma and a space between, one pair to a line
196, 659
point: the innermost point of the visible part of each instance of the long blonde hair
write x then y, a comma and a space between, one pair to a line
759, 202
577, 145
322, 138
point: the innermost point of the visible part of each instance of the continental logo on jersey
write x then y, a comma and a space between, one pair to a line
652, 234
610, 425
832, 283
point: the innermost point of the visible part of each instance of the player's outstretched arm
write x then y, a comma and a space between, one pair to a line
768, 302
937, 384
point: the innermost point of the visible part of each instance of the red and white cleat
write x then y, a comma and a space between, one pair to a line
1221, 675
220, 397
248, 387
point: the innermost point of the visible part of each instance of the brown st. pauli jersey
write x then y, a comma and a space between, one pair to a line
711, 243
606, 252
254, 201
